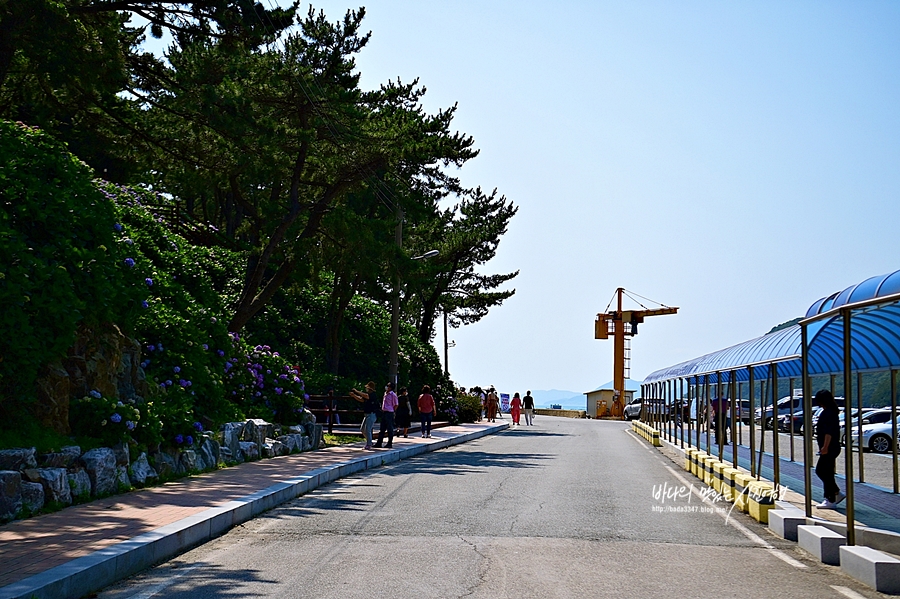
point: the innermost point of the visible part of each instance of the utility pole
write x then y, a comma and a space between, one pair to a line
395, 308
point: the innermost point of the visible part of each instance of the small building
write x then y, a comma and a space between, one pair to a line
605, 394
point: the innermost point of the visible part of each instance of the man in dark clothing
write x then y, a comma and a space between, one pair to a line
528, 408
828, 438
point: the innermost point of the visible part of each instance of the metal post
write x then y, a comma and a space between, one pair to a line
750, 383
848, 457
707, 408
683, 424
894, 427
741, 423
807, 423
858, 427
776, 460
734, 450
446, 345
791, 415
720, 416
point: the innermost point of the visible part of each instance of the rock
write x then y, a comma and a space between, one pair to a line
306, 444
164, 464
231, 438
100, 465
53, 389
289, 442
209, 453
123, 455
64, 458
250, 450
122, 481
226, 456
141, 472
79, 485
307, 417
298, 429
188, 460
17, 459
10, 494
315, 436
256, 430
277, 448
32, 497
55, 482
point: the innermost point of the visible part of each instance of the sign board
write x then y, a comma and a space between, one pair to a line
504, 402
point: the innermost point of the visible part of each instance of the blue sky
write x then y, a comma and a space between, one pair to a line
738, 160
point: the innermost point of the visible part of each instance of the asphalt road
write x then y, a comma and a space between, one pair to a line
567, 508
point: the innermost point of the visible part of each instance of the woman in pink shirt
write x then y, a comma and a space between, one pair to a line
426, 411
516, 408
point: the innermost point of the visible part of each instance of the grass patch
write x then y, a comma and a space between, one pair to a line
335, 440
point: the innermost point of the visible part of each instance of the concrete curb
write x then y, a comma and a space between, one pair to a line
99, 569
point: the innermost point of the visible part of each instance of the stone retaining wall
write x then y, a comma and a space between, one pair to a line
30, 482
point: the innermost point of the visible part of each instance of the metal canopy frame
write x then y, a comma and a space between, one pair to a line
856, 330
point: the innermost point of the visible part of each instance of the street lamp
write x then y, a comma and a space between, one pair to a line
395, 316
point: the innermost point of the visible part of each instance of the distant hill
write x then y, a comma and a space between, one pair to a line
568, 399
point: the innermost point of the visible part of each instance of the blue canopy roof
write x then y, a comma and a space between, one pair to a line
874, 330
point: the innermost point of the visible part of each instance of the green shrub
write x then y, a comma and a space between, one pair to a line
58, 259
469, 408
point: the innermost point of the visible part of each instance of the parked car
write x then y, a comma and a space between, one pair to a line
784, 422
869, 416
786, 405
633, 409
743, 411
875, 437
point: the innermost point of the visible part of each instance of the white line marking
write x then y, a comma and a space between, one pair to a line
848, 592
737, 525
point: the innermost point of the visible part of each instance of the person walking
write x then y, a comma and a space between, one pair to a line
426, 411
403, 414
369, 401
389, 404
528, 408
491, 405
828, 438
515, 407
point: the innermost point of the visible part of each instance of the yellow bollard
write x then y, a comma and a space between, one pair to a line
741, 481
761, 499
728, 474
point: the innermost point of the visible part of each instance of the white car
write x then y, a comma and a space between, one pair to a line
876, 437
633, 409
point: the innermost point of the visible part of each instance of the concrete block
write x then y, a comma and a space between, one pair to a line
871, 567
728, 492
760, 499
741, 499
821, 542
784, 523
717, 475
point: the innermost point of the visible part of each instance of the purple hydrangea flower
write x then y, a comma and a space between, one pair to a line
128, 240
179, 439
95, 394
183, 383
168, 383
198, 427
189, 440
221, 353
205, 346
278, 390
129, 262
149, 282
117, 227
116, 418
144, 304
151, 348
177, 369
129, 425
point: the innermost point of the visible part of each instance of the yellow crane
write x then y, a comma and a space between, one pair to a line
614, 323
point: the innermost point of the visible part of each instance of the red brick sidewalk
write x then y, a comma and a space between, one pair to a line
35, 545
